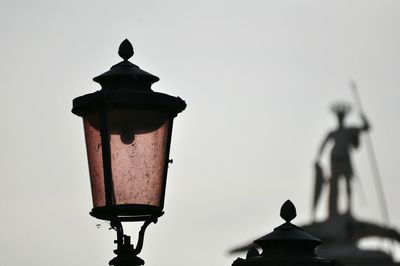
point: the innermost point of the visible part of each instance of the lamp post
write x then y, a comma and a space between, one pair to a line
128, 134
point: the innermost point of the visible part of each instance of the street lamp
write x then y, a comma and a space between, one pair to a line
128, 134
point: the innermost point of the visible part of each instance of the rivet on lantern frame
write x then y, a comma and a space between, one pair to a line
128, 131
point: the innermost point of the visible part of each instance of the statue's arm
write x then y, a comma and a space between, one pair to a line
366, 126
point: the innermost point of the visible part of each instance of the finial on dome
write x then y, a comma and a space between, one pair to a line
125, 50
288, 211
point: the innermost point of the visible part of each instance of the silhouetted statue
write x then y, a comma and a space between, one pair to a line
344, 139
342, 232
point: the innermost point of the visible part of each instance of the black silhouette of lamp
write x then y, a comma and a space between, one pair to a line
287, 245
128, 135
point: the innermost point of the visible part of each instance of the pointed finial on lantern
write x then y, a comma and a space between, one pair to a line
288, 211
125, 50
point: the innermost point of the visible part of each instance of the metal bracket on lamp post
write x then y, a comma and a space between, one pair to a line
126, 252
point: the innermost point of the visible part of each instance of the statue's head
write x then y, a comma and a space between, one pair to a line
341, 109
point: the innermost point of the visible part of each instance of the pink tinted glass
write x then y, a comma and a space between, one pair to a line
95, 160
138, 143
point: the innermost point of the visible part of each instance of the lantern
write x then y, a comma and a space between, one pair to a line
128, 135
287, 245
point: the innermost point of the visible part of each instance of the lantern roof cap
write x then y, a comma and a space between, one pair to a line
125, 70
288, 231
126, 85
287, 245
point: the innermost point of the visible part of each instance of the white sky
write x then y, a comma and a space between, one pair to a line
258, 78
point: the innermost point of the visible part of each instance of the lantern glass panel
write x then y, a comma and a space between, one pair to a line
95, 160
138, 143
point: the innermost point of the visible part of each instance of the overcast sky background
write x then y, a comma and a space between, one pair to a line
258, 77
